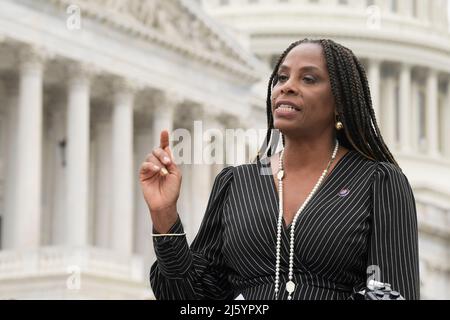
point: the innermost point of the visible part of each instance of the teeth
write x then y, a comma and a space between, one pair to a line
285, 106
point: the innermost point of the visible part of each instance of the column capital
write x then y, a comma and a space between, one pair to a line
230, 120
31, 57
431, 72
405, 66
124, 85
166, 100
210, 111
80, 73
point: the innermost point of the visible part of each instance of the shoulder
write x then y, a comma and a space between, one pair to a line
225, 176
388, 171
229, 174
241, 169
239, 172
378, 168
380, 173
389, 180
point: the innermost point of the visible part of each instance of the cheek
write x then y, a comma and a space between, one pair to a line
325, 97
274, 95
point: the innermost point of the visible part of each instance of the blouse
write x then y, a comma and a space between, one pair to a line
362, 219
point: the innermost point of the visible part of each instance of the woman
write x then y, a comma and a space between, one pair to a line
335, 205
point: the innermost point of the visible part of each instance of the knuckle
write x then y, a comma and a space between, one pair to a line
157, 151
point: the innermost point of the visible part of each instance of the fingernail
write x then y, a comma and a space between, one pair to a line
166, 160
164, 171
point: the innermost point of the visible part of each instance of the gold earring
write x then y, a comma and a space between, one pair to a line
339, 125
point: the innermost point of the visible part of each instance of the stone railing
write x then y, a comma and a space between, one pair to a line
63, 260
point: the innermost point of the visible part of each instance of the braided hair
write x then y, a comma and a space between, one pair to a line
351, 92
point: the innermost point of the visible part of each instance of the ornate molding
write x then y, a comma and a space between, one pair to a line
170, 23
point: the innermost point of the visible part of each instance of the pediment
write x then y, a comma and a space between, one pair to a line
178, 23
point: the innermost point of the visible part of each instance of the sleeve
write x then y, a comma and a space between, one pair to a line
198, 272
393, 247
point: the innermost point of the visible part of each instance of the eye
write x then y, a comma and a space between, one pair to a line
282, 78
309, 79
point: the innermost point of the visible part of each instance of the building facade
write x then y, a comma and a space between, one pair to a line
405, 47
87, 86
85, 89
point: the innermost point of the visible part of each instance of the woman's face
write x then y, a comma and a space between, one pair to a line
302, 100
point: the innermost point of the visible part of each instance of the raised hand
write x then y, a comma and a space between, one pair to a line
160, 180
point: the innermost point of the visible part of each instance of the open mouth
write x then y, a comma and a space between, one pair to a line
286, 107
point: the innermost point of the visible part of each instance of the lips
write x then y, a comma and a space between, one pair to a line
287, 105
286, 110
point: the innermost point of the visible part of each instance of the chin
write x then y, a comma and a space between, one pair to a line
283, 126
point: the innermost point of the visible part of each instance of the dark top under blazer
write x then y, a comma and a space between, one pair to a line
337, 237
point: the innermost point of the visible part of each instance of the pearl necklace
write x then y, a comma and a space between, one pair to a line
290, 285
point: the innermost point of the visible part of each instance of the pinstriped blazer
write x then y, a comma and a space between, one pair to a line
363, 216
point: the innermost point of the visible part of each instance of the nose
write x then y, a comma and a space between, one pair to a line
288, 87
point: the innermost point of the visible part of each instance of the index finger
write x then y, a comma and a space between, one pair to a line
164, 139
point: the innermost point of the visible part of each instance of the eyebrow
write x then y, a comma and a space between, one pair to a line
305, 68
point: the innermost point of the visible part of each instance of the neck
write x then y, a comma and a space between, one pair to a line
307, 154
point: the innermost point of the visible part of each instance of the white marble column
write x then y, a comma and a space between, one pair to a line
103, 185
10, 168
164, 105
236, 141
123, 168
446, 135
405, 108
143, 223
201, 171
78, 120
432, 114
387, 117
423, 10
374, 80
28, 174
163, 112
215, 150
405, 7
417, 143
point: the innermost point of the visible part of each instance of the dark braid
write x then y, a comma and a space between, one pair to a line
351, 92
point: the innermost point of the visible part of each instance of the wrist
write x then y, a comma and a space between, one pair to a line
164, 219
